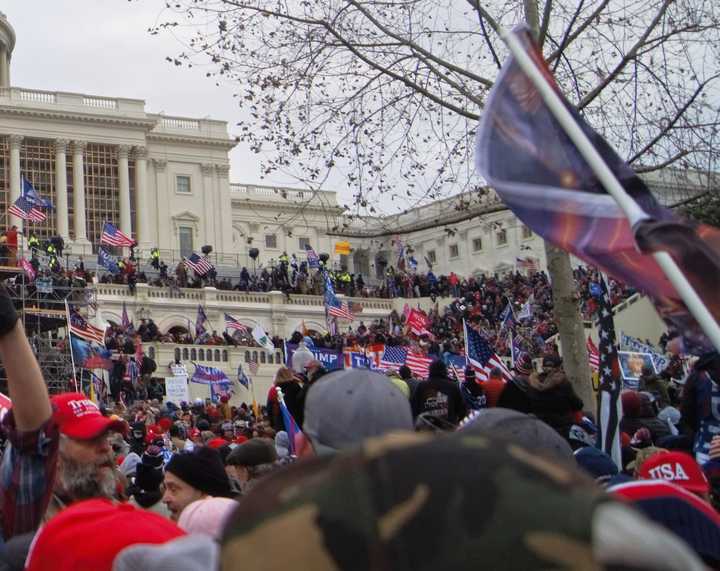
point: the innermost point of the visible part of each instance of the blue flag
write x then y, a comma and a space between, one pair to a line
200, 321
89, 355
243, 378
312, 257
107, 261
208, 375
32, 195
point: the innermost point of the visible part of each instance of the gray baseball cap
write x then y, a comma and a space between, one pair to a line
345, 407
527, 431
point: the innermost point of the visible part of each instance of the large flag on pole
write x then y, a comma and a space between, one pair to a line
528, 157
23, 208
33, 196
609, 405
481, 356
112, 236
200, 321
262, 338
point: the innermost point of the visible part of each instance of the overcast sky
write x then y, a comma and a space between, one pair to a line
102, 47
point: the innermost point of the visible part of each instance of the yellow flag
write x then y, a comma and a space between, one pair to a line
342, 248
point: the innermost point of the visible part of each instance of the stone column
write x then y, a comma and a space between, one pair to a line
81, 240
4, 67
142, 233
163, 226
61, 199
123, 152
224, 220
15, 187
209, 200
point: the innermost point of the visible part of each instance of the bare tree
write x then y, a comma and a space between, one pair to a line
386, 95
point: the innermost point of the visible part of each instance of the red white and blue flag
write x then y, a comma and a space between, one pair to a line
22, 208
198, 264
395, 357
82, 328
524, 153
209, 375
112, 236
232, 323
481, 356
291, 427
312, 258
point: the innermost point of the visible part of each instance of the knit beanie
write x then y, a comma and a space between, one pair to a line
203, 469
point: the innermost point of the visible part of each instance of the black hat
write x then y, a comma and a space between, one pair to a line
438, 369
202, 469
552, 361
253, 453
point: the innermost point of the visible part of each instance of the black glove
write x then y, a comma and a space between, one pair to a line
8, 315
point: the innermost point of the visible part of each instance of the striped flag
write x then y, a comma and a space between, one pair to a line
393, 358
481, 357
333, 306
253, 365
79, 326
112, 236
610, 406
593, 355
419, 364
232, 323
198, 264
28, 268
529, 264
22, 208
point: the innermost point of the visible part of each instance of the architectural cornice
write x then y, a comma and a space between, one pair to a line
187, 139
281, 206
145, 124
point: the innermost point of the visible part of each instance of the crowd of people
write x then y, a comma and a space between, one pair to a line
359, 469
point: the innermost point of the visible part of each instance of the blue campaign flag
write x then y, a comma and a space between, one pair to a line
507, 317
312, 257
107, 261
329, 358
208, 375
89, 355
32, 195
595, 289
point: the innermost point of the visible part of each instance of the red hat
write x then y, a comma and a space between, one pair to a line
80, 418
677, 467
53, 549
217, 442
164, 423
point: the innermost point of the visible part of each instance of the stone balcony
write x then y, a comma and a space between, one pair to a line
276, 313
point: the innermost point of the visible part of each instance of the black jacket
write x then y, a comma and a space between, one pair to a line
439, 397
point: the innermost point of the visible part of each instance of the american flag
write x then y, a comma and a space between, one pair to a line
22, 208
253, 365
200, 265
419, 364
610, 381
112, 236
393, 358
481, 356
333, 306
456, 365
232, 323
80, 327
125, 322
593, 355
528, 264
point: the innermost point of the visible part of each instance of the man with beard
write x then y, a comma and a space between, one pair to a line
86, 466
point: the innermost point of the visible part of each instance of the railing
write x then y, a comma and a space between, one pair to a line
223, 356
37, 96
100, 102
179, 123
242, 297
327, 198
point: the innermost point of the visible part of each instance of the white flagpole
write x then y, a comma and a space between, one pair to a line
630, 208
72, 357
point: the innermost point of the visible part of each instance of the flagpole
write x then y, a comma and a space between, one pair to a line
630, 208
72, 357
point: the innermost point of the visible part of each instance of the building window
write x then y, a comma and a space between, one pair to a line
201, 354
432, 258
501, 237
186, 355
217, 354
526, 232
177, 353
271, 241
185, 235
151, 352
193, 354
247, 356
477, 244
225, 356
263, 358
454, 251
182, 184
303, 243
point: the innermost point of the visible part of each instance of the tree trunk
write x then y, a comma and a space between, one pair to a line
567, 317
565, 308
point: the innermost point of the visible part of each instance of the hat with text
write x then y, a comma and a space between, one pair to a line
677, 467
80, 418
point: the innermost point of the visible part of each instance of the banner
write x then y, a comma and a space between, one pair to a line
330, 359
634, 344
176, 387
342, 248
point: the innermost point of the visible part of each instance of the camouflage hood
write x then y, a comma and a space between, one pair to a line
465, 501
